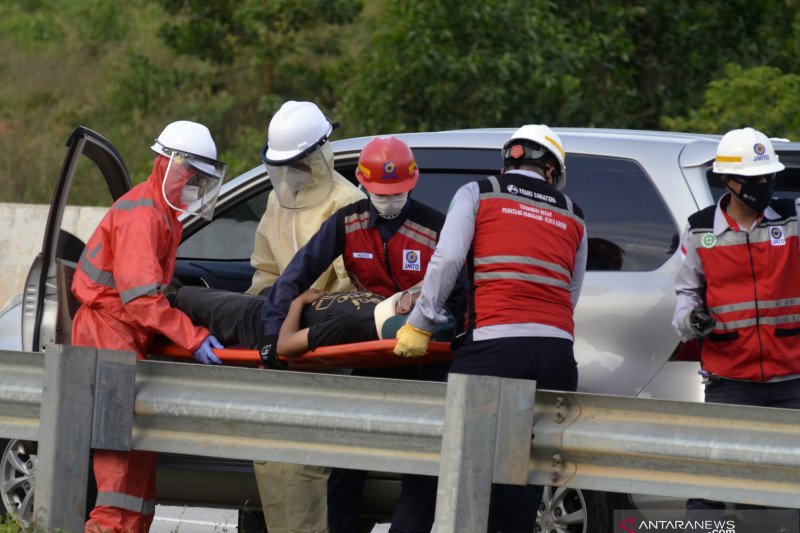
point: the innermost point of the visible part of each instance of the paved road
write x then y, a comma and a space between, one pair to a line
194, 520
203, 520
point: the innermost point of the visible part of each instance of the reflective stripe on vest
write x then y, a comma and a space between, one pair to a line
747, 306
106, 278
151, 289
128, 205
406, 230
365, 254
752, 293
356, 222
525, 260
99, 276
127, 502
523, 254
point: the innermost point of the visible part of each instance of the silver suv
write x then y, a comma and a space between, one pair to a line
636, 188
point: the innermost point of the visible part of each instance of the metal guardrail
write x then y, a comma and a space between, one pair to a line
632, 445
668, 448
21, 383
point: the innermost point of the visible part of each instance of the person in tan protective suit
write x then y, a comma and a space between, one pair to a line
306, 191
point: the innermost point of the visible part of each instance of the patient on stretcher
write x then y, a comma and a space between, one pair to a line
315, 318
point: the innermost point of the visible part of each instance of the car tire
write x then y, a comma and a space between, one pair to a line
17, 479
568, 510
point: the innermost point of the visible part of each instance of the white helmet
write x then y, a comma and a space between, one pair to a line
547, 139
746, 152
186, 136
297, 129
193, 176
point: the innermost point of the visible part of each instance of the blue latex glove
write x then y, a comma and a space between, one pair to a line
204, 353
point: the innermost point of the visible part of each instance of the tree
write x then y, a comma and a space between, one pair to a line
257, 55
449, 64
761, 97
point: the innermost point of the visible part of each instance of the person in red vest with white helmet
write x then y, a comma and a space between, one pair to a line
525, 247
738, 288
120, 281
386, 242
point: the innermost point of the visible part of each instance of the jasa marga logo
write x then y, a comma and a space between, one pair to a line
761, 152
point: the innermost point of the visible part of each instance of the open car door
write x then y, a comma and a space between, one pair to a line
47, 300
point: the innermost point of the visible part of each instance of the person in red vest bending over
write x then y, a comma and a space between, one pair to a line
525, 247
386, 242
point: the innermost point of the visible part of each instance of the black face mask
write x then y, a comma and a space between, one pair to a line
756, 195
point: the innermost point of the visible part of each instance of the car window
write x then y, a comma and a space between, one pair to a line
787, 183
87, 199
628, 225
231, 235
443, 171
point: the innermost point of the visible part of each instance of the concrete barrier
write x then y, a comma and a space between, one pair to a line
22, 234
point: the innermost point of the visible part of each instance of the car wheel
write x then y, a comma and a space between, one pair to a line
566, 510
17, 479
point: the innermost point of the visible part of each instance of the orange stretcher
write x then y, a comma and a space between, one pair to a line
371, 354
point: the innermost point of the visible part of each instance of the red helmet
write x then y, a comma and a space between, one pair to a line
387, 166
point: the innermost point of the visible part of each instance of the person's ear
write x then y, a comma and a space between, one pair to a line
549, 173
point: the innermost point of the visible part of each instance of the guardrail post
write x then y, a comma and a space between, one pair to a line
65, 434
87, 401
488, 425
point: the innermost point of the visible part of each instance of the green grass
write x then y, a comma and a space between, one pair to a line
8, 525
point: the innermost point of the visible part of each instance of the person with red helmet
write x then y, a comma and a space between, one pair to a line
120, 283
386, 242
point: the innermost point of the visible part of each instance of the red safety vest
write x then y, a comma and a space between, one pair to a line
752, 290
397, 264
523, 253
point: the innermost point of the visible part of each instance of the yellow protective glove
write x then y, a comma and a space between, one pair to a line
411, 341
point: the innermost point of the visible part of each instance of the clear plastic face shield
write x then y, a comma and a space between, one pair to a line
302, 183
192, 182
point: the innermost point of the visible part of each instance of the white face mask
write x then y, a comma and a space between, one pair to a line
190, 194
389, 205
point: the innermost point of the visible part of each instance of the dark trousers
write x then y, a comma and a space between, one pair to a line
551, 362
234, 318
783, 394
413, 512
416, 506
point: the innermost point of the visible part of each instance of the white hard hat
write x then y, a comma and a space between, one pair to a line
547, 139
746, 152
297, 129
385, 311
186, 136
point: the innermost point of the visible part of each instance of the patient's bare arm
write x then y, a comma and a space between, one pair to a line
291, 339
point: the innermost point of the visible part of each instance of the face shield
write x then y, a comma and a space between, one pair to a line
191, 183
302, 183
